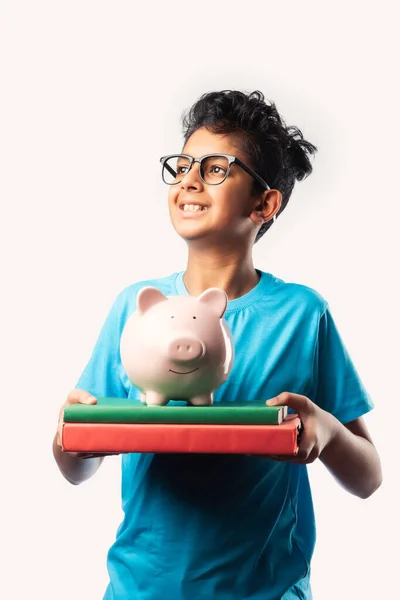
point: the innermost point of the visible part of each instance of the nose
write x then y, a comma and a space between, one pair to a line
185, 349
192, 179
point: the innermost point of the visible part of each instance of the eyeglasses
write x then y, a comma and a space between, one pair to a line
213, 168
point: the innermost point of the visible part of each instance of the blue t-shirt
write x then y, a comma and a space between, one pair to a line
228, 527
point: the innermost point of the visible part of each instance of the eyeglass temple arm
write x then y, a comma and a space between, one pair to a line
170, 169
253, 174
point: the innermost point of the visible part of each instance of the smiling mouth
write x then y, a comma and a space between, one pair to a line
192, 208
187, 373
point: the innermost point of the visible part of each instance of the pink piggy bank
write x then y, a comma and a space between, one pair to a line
177, 347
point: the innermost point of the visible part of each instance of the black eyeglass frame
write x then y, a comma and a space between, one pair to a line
231, 160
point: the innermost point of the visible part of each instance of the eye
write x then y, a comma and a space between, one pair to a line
215, 169
172, 317
194, 317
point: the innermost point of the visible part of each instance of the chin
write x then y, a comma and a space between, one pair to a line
192, 237
191, 233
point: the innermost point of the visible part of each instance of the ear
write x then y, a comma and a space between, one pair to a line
216, 299
267, 205
148, 297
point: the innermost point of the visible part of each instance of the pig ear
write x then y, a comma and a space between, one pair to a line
148, 297
216, 299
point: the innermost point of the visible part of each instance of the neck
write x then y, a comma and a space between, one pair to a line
230, 270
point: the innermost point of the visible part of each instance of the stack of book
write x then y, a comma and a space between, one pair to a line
124, 425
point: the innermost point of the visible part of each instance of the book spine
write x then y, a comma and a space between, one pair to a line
237, 439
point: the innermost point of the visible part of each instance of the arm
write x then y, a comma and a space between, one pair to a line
352, 459
75, 469
346, 450
101, 377
75, 466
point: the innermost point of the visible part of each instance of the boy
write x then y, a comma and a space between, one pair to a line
233, 527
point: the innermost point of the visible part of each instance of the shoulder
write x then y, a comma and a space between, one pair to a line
297, 295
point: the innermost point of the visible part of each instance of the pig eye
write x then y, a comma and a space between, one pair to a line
172, 317
194, 317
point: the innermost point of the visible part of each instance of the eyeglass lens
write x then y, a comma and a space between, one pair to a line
213, 169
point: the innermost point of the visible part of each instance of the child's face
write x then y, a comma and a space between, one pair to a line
228, 206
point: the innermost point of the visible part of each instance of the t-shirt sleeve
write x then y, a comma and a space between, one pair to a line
338, 387
102, 376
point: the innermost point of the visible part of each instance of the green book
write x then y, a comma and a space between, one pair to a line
117, 410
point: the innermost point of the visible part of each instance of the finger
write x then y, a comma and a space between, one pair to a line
277, 457
301, 404
59, 435
284, 457
85, 455
306, 443
313, 455
78, 396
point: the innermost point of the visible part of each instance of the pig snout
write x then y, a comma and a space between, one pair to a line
185, 349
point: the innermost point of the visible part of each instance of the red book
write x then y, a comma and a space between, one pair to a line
210, 439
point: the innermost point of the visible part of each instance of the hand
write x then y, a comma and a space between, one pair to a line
78, 396
319, 427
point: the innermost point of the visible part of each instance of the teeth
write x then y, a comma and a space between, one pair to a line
193, 207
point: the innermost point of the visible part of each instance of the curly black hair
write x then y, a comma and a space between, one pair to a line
277, 152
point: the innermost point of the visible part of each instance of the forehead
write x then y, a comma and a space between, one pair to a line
203, 142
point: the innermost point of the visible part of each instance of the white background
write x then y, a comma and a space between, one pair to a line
91, 97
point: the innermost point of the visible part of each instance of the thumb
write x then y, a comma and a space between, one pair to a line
80, 397
296, 401
89, 399
279, 400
